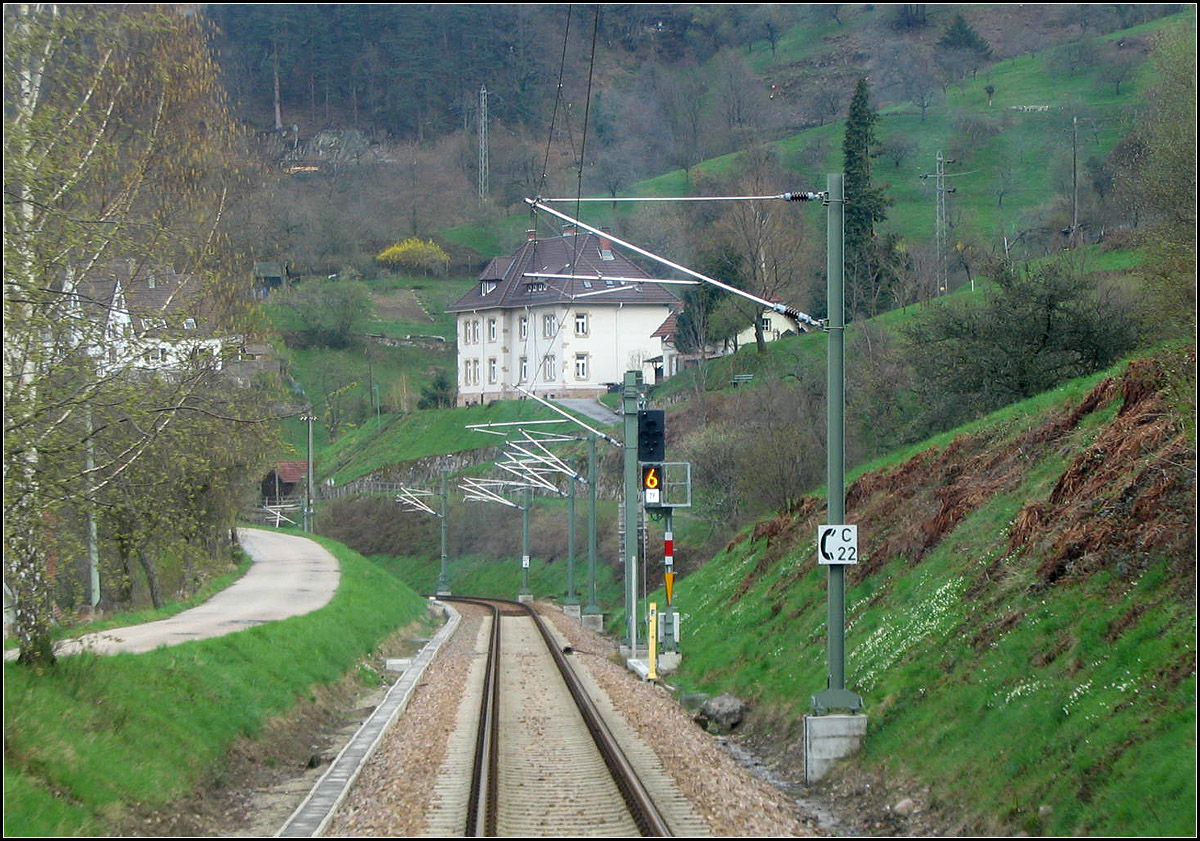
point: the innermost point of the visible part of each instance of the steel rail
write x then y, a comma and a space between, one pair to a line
482, 805
641, 806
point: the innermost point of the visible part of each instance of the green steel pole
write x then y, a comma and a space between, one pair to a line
591, 607
525, 544
835, 695
443, 588
835, 457
571, 597
633, 381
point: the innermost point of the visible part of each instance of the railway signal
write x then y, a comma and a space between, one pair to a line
652, 484
652, 439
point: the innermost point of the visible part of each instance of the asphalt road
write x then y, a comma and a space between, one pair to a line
593, 409
290, 576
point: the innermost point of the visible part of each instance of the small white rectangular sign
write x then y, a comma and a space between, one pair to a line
837, 544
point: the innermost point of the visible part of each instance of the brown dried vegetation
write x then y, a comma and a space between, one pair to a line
1127, 497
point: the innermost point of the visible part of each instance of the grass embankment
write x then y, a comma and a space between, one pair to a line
94, 737
1023, 617
433, 432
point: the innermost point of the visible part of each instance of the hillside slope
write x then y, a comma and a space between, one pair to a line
1024, 617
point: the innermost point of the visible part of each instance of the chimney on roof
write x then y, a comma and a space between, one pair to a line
568, 230
605, 245
530, 235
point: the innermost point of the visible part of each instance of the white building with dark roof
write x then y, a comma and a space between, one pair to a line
135, 317
561, 317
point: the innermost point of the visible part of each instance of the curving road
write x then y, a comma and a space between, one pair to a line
290, 576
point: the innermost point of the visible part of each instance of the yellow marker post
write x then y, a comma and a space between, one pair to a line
652, 642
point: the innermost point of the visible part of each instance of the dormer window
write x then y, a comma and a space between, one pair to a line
489, 286
535, 286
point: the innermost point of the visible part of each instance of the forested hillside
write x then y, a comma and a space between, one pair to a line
374, 112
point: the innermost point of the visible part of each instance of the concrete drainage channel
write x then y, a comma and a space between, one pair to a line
314, 814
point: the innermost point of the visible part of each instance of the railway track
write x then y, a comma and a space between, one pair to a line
545, 762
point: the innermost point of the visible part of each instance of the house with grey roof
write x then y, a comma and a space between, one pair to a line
563, 316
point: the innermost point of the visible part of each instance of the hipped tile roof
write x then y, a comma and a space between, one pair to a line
582, 255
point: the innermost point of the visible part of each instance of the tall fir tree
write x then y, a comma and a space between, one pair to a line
866, 205
959, 35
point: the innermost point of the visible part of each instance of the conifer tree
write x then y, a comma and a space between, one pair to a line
866, 205
959, 35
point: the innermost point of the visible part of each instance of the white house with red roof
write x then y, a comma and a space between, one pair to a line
564, 316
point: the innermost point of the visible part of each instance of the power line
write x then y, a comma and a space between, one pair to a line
484, 174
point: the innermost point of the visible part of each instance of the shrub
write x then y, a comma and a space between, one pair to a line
414, 253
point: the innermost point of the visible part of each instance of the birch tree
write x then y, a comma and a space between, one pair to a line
116, 148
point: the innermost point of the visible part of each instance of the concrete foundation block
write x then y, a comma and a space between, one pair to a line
593, 622
525, 598
668, 662
828, 738
571, 610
